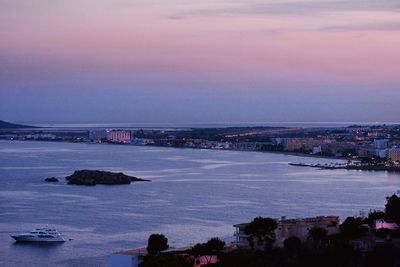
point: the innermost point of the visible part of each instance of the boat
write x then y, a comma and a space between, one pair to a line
44, 234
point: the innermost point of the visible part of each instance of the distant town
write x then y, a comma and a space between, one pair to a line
377, 145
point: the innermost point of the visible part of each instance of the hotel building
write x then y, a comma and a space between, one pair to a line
292, 227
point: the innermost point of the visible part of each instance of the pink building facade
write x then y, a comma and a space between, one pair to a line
118, 136
394, 154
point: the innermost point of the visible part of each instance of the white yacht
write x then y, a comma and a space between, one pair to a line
44, 234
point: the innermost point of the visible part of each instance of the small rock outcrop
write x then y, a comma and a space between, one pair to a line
92, 177
51, 179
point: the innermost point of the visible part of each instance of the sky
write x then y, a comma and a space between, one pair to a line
207, 61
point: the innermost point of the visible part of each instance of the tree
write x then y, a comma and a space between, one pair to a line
384, 255
375, 215
353, 228
292, 245
317, 235
392, 208
208, 249
345, 254
215, 244
263, 230
157, 243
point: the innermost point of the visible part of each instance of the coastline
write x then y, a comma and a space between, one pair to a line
296, 154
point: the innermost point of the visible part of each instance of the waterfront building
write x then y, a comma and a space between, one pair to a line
119, 136
292, 227
339, 149
300, 144
383, 224
40, 136
292, 144
317, 150
247, 146
140, 141
301, 227
394, 154
381, 143
223, 145
363, 151
381, 153
97, 136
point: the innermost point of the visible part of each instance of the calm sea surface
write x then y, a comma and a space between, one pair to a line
194, 195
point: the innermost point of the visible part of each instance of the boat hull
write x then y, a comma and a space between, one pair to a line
37, 239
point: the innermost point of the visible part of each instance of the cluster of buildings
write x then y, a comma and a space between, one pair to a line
111, 136
379, 142
299, 228
45, 135
323, 146
286, 228
379, 148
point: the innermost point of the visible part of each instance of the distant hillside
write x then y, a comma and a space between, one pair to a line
8, 125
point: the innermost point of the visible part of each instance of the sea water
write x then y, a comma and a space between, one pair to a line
193, 195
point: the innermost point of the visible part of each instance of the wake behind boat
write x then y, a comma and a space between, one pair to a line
44, 234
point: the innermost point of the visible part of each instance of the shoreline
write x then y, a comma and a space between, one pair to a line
296, 154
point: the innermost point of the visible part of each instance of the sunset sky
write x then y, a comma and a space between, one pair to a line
199, 61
